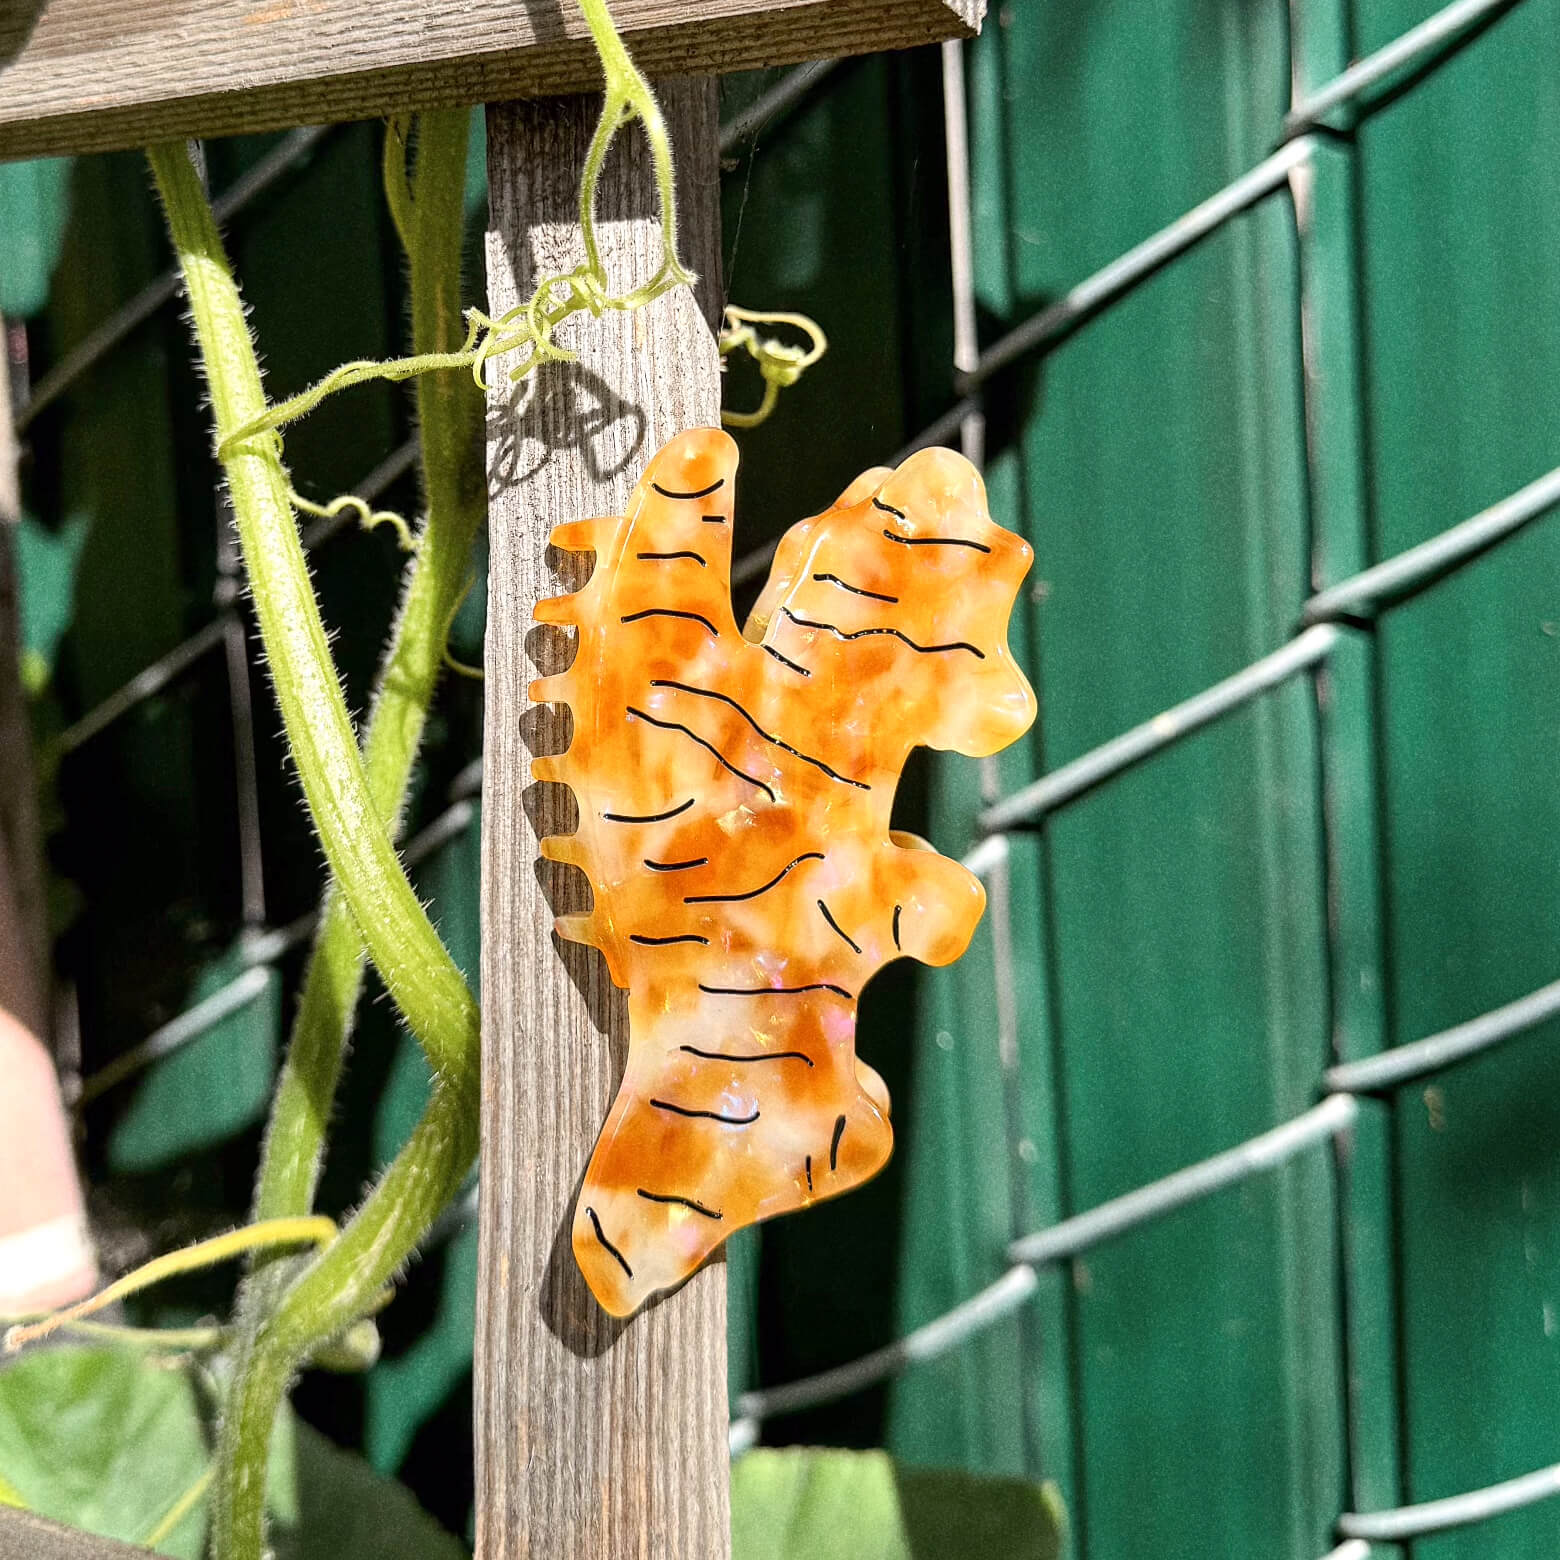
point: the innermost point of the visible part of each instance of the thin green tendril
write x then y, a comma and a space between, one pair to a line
530, 327
780, 363
368, 517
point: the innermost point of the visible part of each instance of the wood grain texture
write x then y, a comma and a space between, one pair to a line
93, 75
26, 1537
595, 1437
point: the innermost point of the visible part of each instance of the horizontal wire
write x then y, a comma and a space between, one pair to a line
1263, 1152
103, 338
261, 950
152, 679
779, 99
1404, 1063
148, 681
1435, 30
1114, 281
1027, 806
178, 1032
1064, 1240
1371, 588
1437, 1516
924, 1343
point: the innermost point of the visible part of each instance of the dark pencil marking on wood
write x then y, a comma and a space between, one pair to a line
761, 1056
855, 590
753, 893
595, 1224
855, 947
672, 612
768, 736
681, 1202
708, 1115
672, 725
715, 486
659, 817
834, 1145
865, 633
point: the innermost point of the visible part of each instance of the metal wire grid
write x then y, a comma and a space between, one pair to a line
1328, 620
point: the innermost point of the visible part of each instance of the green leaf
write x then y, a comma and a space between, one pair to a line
102, 1440
346, 1511
810, 1504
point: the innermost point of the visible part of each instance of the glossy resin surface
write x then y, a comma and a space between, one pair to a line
734, 791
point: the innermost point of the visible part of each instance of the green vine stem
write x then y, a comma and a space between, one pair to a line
430, 222
421, 977
337, 1286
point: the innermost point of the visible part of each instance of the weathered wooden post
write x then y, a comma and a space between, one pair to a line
596, 1440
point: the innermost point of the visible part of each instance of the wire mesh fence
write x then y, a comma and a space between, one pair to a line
1334, 616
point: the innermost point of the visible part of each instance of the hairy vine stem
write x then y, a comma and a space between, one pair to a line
430, 223
322, 1298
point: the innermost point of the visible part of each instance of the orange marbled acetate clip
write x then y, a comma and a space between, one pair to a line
734, 792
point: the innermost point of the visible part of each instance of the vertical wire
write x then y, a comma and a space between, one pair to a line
1335, 413
972, 443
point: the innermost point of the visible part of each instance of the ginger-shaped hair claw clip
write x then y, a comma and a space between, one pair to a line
734, 791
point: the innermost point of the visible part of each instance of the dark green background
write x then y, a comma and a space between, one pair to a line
1178, 987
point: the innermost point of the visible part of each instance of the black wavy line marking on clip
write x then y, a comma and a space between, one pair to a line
708, 1115
667, 557
785, 660
855, 590
672, 612
595, 1224
935, 541
808, 1164
662, 942
753, 893
714, 487
676, 866
834, 1145
672, 725
855, 947
774, 991
877, 503
762, 1056
779, 742
897, 910
682, 1202
659, 817
865, 633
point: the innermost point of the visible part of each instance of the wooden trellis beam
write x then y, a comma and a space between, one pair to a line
93, 75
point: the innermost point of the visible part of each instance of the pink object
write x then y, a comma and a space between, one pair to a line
46, 1255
